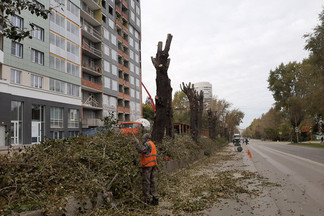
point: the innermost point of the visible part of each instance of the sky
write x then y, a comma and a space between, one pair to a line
233, 44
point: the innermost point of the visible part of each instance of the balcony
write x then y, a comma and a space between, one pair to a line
91, 103
123, 109
93, 4
91, 86
124, 15
89, 32
91, 51
91, 12
124, 82
125, 3
125, 96
124, 55
92, 122
123, 41
118, 10
93, 70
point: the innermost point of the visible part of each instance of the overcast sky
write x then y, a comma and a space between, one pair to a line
233, 44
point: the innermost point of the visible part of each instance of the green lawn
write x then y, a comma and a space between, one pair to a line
317, 145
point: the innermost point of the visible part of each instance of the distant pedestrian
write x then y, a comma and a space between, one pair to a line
148, 164
322, 138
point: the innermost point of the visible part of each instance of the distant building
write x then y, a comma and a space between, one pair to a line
207, 88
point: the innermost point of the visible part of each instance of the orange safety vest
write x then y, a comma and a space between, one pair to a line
150, 159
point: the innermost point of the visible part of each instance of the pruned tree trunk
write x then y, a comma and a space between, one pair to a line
195, 109
163, 119
212, 121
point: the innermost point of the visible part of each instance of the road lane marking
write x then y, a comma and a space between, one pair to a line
294, 156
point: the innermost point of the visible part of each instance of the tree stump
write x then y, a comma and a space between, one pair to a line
163, 119
196, 108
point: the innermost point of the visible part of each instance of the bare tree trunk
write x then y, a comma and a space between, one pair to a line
212, 119
163, 119
195, 118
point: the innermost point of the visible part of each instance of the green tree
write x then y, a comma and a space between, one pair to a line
148, 111
10, 8
315, 67
287, 86
181, 109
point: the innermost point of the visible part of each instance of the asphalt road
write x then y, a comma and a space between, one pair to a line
300, 172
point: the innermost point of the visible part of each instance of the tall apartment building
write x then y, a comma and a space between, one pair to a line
82, 63
207, 88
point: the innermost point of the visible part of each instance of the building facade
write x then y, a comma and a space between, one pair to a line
207, 88
77, 68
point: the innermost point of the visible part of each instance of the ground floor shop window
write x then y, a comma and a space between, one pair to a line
56, 117
16, 130
57, 134
73, 118
73, 133
37, 124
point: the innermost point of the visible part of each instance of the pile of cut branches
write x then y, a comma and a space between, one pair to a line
43, 176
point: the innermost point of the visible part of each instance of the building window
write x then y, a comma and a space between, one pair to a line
37, 32
73, 133
73, 90
111, 10
16, 49
18, 22
131, 42
111, 23
132, 15
138, 21
56, 117
137, 70
114, 85
73, 118
114, 55
57, 63
106, 82
56, 40
56, 134
132, 93
72, 48
137, 95
106, 33
70, 27
103, 3
136, 46
15, 76
106, 49
104, 18
37, 56
106, 66
137, 83
57, 86
39, 5
114, 39
73, 8
137, 10
73, 69
36, 81
114, 70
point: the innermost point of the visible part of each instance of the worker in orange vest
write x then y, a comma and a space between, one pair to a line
148, 165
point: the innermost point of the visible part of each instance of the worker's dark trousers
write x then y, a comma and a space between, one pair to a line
148, 182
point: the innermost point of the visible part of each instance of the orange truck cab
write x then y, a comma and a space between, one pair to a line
130, 127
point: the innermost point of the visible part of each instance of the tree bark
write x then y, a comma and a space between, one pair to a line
196, 108
163, 119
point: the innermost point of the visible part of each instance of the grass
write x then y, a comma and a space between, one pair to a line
316, 145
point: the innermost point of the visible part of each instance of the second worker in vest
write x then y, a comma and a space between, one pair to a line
148, 165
